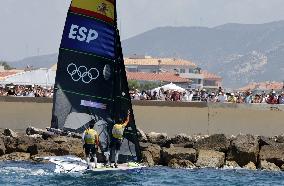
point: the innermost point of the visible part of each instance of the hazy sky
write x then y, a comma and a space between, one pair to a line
32, 27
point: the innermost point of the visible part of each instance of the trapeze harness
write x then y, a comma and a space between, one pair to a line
117, 131
90, 136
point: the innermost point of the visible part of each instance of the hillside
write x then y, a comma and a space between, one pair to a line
43, 61
239, 53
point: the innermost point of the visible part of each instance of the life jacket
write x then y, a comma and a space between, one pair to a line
117, 131
90, 136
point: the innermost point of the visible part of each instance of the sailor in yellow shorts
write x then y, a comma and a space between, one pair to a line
117, 137
90, 139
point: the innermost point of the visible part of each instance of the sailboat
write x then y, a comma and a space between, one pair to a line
91, 81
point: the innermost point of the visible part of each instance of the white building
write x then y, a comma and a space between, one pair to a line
185, 69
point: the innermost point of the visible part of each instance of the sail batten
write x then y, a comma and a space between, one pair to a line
91, 81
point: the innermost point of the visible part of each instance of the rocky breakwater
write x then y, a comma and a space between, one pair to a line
180, 151
38, 143
214, 151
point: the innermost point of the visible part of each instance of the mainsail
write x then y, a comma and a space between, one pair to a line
90, 80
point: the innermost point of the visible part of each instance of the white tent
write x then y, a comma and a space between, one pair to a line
170, 86
42, 77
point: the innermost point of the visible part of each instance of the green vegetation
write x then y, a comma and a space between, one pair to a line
133, 84
6, 65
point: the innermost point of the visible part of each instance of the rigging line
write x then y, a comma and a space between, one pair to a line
89, 54
72, 92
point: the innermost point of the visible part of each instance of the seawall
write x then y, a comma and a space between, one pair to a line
170, 117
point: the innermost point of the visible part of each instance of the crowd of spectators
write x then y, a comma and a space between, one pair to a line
26, 91
271, 97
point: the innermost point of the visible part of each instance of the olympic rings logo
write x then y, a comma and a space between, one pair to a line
82, 73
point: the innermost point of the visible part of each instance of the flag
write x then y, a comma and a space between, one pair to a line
100, 9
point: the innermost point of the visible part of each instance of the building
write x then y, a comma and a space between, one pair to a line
4, 74
210, 80
160, 78
190, 72
42, 77
264, 86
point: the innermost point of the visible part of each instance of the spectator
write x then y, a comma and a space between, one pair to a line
272, 98
212, 98
185, 97
257, 99
232, 98
175, 96
136, 95
248, 98
281, 98
222, 97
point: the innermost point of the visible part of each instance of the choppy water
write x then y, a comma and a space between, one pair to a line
23, 173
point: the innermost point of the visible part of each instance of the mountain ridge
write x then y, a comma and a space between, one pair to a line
240, 53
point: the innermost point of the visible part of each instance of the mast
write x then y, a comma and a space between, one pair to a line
90, 80
122, 98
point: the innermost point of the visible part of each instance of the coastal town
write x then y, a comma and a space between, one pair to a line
149, 78
108, 92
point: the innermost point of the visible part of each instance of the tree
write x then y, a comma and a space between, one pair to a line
6, 65
148, 86
133, 84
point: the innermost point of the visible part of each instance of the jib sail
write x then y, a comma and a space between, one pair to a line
90, 80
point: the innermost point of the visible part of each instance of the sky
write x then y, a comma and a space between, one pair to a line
34, 27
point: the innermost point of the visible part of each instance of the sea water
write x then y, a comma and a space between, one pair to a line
26, 173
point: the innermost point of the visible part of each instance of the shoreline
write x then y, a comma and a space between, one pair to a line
182, 151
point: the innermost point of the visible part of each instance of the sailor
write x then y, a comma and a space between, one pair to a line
90, 139
117, 137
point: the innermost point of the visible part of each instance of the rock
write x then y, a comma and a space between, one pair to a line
264, 165
15, 156
181, 138
60, 139
174, 164
178, 153
231, 165
32, 131
266, 141
55, 146
35, 136
244, 149
210, 158
10, 133
2, 147
282, 167
147, 158
157, 138
196, 138
177, 164
19, 144
250, 166
50, 148
155, 151
273, 154
280, 139
141, 135
216, 142
75, 135
144, 146
47, 135
58, 132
